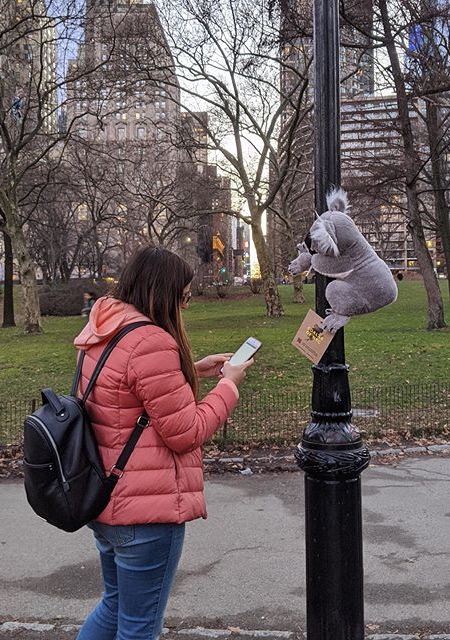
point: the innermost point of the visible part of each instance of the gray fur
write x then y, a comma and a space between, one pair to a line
362, 281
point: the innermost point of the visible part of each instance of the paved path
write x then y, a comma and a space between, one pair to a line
243, 568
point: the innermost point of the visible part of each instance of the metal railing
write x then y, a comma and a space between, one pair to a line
280, 417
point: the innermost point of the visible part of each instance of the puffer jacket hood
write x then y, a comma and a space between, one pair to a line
107, 317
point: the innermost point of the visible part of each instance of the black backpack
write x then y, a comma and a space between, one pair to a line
64, 478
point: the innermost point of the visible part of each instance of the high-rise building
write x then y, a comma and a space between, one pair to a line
294, 159
28, 65
131, 89
125, 101
372, 149
290, 168
210, 197
372, 160
356, 52
428, 56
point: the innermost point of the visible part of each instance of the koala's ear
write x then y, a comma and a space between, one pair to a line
323, 238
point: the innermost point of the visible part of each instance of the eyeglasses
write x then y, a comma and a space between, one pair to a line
186, 297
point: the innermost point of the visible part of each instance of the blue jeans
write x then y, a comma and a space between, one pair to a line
139, 563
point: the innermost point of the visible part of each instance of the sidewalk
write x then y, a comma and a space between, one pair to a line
242, 572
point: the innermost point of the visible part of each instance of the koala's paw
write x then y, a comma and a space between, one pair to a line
334, 321
303, 248
302, 262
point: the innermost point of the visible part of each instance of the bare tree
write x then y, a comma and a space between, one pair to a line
413, 167
437, 122
406, 66
37, 40
228, 63
428, 65
132, 156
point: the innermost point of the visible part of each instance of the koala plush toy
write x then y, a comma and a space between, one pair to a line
362, 282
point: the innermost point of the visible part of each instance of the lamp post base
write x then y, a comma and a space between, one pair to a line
332, 455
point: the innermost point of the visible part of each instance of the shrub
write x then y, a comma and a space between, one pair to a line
256, 285
198, 287
222, 289
66, 298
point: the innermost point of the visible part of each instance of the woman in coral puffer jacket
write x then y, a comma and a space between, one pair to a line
140, 533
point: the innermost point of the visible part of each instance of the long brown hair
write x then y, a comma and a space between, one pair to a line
153, 281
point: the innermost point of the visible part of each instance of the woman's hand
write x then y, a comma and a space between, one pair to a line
211, 366
236, 372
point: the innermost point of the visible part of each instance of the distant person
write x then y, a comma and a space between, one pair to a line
89, 298
140, 533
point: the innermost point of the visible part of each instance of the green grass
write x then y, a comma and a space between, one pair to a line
388, 347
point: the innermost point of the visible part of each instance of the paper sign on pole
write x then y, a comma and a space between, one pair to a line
311, 339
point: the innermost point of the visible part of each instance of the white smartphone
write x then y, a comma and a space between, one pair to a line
246, 351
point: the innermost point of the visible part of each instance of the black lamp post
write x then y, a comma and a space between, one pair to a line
331, 453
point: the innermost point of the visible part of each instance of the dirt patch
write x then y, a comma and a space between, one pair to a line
11, 462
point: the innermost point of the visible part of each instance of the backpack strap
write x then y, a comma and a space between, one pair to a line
101, 361
77, 376
117, 470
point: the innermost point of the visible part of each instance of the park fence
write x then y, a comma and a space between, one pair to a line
280, 417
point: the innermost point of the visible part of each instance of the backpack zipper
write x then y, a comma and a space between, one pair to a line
54, 447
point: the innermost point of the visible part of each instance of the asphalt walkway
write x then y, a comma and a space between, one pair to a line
243, 569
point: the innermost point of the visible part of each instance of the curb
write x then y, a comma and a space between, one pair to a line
213, 634
286, 462
432, 448
290, 464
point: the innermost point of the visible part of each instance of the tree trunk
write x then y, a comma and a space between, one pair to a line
434, 296
435, 137
32, 314
8, 299
271, 294
201, 278
444, 233
299, 296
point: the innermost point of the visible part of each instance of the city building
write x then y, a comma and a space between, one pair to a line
372, 155
241, 255
28, 104
372, 172
28, 66
211, 198
128, 109
123, 108
295, 200
134, 93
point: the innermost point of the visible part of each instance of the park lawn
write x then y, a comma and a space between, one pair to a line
388, 347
